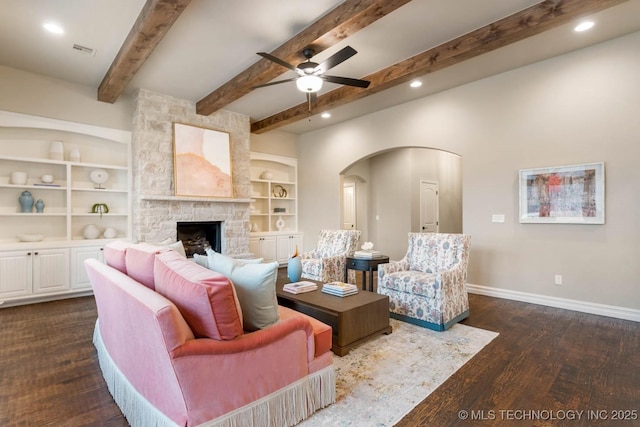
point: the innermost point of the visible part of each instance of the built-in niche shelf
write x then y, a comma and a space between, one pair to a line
274, 193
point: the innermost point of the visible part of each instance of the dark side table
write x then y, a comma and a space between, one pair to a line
364, 265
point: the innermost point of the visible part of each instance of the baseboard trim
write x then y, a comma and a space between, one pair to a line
567, 304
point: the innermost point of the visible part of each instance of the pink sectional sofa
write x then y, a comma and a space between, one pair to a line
173, 351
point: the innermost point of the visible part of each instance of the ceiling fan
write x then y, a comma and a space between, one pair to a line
311, 75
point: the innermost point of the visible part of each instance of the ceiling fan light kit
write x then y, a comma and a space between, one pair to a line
311, 75
309, 83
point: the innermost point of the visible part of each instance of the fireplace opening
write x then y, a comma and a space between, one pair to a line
196, 236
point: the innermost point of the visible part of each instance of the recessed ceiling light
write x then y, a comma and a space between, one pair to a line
325, 115
416, 83
584, 26
53, 28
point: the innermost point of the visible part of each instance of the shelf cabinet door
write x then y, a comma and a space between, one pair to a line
263, 247
16, 268
79, 278
50, 270
286, 246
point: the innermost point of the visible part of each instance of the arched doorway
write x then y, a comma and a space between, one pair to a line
387, 187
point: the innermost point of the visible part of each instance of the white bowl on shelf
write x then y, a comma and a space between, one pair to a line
30, 237
18, 178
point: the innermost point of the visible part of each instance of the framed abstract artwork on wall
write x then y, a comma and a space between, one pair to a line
563, 194
201, 162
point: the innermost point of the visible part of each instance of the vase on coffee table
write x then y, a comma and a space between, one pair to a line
294, 269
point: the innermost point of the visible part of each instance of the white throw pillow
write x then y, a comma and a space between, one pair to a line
176, 246
224, 264
255, 285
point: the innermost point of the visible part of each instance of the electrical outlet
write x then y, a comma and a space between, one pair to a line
558, 279
497, 218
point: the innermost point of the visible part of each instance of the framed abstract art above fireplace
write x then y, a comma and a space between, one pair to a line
201, 162
563, 194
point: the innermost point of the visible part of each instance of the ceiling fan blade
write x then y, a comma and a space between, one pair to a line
335, 59
347, 81
275, 83
277, 60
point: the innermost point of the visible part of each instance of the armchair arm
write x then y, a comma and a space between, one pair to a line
333, 267
392, 267
453, 291
310, 254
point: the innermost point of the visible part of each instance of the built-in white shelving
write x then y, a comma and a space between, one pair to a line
40, 270
274, 206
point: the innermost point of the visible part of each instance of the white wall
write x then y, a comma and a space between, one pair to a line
29, 93
275, 142
577, 108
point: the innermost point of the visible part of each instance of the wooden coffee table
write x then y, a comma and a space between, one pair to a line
353, 319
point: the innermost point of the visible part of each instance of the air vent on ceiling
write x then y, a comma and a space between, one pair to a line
84, 49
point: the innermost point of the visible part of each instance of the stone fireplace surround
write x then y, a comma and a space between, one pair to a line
155, 208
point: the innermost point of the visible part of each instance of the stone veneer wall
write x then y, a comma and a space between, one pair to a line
155, 208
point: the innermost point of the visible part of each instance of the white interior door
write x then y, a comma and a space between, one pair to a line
349, 214
429, 217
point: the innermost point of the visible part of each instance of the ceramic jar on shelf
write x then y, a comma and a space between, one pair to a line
39, 206
26, 202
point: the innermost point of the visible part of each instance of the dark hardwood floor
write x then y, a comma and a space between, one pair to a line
545, 359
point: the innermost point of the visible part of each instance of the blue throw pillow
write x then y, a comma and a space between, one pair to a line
255, 285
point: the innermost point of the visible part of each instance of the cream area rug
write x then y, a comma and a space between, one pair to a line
382, 380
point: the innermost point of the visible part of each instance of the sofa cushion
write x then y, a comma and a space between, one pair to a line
205, 298
114, 255
322, 333
139, 261
255, 284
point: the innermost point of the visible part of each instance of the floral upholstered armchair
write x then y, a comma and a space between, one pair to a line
428, 286
326, 263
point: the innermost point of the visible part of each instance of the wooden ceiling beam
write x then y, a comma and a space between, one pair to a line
338, 24
519, 26
154, 20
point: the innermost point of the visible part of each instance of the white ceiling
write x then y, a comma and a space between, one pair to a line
213, 40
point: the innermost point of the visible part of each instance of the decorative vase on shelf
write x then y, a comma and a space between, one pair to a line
91, 231
294, 269
26, 201
109, 233
39, 206
56, 150
280, 223
74, 155
267, 174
